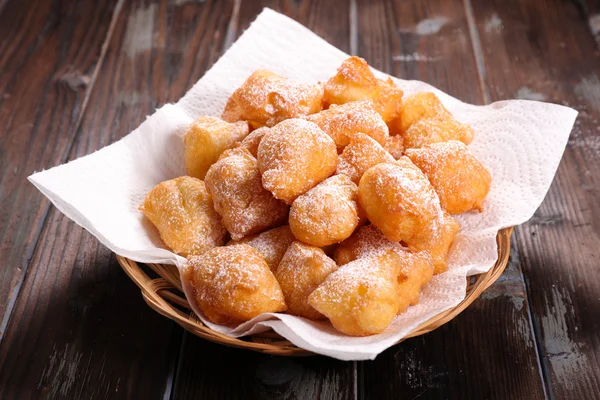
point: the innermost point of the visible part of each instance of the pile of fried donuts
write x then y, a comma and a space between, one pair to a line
330, 200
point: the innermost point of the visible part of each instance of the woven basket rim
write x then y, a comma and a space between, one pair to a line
165, 295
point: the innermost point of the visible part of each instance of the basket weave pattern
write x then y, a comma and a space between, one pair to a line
164, 294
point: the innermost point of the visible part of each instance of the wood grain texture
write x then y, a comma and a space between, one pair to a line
47, 72
545, 51
80, 328
211, 371
489, 350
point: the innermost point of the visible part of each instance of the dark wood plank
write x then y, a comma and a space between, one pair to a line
211, 371
328, 19
80, 328
545, 50
48, 55
488, 351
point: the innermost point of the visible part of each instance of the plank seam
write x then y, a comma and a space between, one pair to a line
353, 19
535, 328
36, 240
477, 50
232, 26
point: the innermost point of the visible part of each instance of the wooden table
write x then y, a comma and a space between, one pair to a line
78, 75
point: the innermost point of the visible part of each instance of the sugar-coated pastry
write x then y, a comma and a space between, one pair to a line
437, 239
294, 156
441, 128
206, 139
271, 244
398, 199
301, 270
395, 146
354, 81
265, 99
361, 297
416, 268
342, 122
361, 154
419, 106
461, 181
423, 120
233, 284
327, 213
252, 141
364, 242
182, 211
235, 185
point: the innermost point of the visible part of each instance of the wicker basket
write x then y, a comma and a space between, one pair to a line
164, 294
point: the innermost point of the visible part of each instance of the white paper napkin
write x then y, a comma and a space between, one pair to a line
521, 142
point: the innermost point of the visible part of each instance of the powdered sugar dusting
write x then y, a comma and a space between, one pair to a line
326, 214
362, 153
245, 206
233, 283
341, 122
301, 270
271, 244
267, 99
294, 156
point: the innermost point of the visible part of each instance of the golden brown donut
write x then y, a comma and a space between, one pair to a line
233, 284
361, 297
301, 270
354, 81
252, 141
206, 139
361, 154
271, 244
327, 213
437, 239
235, 185
416, 268
424, 120
461, 181
398, 199
293, 157
342, 122
265, 99
182, 211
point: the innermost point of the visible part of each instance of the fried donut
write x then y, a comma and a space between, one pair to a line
235, 185
265, 99
361, 154
361, 297
398, 199
461, 181
416, 268
437, 240
441, 128
365, 241
206, 139
344, 121
233, 284
423, 120
271, 244
293, 157
301, 270
419, 106
252, 141
326, 214
354, 81
182, 211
